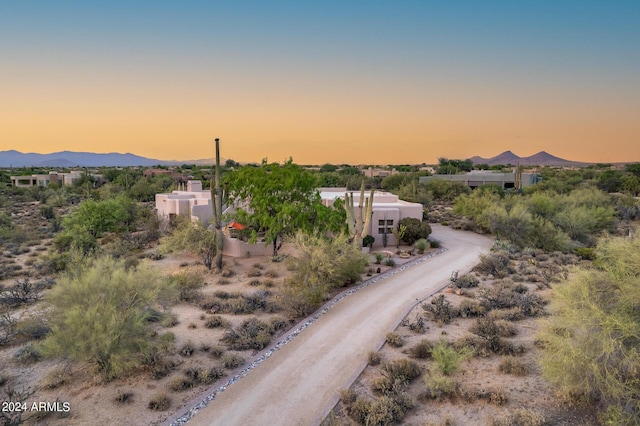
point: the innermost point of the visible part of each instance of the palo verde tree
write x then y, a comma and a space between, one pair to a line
592, 338
319, 265
100, 312
279, 200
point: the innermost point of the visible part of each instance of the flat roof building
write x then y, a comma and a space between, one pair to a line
475, 178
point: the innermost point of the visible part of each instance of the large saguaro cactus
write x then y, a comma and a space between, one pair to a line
359, 220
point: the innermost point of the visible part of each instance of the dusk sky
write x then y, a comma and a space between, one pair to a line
322, 81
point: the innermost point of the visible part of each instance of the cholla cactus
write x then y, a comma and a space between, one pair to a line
360, 220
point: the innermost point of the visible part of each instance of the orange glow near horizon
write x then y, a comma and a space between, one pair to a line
322, 83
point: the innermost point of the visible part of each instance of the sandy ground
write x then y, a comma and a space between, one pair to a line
300, 384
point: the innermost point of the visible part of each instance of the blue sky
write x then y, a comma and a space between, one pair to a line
323, 81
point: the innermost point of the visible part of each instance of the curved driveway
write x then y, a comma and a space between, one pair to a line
300, 383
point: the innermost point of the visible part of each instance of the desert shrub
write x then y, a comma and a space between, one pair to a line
506, 328
55, 378
504, 297
374, 358
440, 309
321, 265
440, 387
390, 262
487, 329
348, 396
159, 402
28, 354
255, 272
188, 284
416, 326
216, 321
33, 328
379, 258
495, 395
188, 349
271, 273
421, 350
211, 375
123, 397
159, 366
511, 314
255, 283
447, 357
193, 237
591, 349
415, 230
232, 360
421, 245
22, 292
224, 281
394, 339
179, 384
359, 410
217, 351
467, 281
520, 417
166, 341
251, 334
402, 369
227, 273
471, 308
170, 320
514, 366
99, 314
436, 243
495, 263
387, 410
268, 283
368, 241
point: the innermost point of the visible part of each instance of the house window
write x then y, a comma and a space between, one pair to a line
382, 225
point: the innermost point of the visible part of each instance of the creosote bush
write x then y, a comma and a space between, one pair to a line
440, 309
159, 402
395, 339
253, 333
512, 365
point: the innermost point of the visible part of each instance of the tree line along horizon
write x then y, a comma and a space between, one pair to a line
576, 211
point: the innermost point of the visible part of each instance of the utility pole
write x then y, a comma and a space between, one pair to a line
217, 208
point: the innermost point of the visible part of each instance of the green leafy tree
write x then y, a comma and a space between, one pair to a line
100, 312
98, 217
278, 200
592, 344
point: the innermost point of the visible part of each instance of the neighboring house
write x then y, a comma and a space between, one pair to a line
194, 203
45, 180
371, 172
475, 178
388, 209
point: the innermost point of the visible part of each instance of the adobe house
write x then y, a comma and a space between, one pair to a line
194, 202
45, 180
388, 209
475, 178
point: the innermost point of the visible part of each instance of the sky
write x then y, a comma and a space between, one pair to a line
358, 82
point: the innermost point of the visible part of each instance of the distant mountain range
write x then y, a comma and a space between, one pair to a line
540, 159
69, 159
